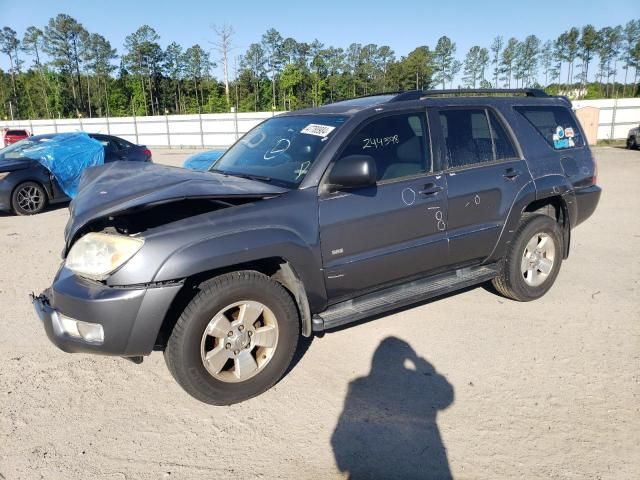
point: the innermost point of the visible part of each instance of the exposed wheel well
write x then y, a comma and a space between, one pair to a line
277, 268
556, 208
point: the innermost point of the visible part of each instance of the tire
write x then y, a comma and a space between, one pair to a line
28, 198
632, 144
201, 333
513, 281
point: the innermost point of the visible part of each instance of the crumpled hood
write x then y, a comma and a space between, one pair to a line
121, 186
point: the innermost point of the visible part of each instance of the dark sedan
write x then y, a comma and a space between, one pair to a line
26, 187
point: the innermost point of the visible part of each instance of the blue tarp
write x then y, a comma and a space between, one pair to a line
203, 160
66, 156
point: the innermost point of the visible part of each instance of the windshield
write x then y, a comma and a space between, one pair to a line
16, 150
280, 150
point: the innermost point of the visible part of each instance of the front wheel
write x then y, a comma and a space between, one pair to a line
28, 198
235, 339
533, 260
632, 143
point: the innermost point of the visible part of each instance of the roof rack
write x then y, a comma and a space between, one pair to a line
478, 92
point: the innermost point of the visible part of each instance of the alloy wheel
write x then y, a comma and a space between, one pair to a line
239, 341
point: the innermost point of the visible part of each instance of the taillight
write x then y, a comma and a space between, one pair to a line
594, 179
147, 152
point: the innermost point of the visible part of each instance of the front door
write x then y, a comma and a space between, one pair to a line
391, 231
484, 175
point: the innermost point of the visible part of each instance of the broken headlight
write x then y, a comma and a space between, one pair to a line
97, 255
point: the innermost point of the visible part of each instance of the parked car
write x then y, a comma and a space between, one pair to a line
27, 187
13, 135
633, 138
316, 219
202, 160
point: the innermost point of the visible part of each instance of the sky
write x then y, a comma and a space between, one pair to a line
401, 25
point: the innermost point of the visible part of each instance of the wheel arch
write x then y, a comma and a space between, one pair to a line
276, 268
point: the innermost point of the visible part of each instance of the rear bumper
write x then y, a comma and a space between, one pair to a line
130, 317
586, 202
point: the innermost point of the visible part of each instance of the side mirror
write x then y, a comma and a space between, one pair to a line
354, 171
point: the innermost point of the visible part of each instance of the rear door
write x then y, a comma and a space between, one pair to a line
393, 230
484, 174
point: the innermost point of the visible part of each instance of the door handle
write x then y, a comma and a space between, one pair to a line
430, 189
511, 173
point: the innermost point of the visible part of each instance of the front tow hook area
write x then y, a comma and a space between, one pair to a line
41, 304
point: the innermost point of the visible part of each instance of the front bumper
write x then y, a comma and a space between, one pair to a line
131, 317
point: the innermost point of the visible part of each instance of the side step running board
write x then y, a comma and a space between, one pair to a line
398, 296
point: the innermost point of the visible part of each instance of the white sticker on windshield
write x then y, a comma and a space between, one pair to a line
318, 130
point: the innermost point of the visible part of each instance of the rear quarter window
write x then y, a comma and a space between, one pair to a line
556, 125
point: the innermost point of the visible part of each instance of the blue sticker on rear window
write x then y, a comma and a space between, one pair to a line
563, 138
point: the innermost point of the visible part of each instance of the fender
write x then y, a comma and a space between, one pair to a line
559, 186
233, 248
525, 196
547, 186
35, 173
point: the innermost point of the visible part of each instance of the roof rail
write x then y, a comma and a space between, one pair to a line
418, 94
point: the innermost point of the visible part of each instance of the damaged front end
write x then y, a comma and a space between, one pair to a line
125, 222
132, 198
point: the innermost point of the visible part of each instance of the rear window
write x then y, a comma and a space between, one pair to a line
16, 132
474, 136
556, 125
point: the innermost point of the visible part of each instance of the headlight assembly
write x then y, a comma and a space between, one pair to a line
97, 255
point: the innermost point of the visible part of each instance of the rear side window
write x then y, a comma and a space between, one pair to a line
555, 124
474, 136
122, 144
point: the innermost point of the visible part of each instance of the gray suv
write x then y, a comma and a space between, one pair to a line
316, 219
633, 138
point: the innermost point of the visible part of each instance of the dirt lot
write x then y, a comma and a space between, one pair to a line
497, 389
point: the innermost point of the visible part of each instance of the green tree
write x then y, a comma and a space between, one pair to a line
32, 44
174, 68
526, 61
507, 61
64, 38
608, 48
631, 37
496, 49
444, 63
144, 60
272, 45
198, 66
9, 44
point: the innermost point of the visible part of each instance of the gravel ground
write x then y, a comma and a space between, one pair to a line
490, 387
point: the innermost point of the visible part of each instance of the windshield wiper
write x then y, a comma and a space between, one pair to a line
250, 176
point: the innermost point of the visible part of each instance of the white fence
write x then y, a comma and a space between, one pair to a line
617, 117
173, 131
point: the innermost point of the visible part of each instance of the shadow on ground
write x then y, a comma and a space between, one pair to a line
388, 427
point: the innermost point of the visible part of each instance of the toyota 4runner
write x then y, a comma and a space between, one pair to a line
315, 219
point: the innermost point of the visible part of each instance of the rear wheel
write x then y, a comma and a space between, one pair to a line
28, 198
235, 339
533, 260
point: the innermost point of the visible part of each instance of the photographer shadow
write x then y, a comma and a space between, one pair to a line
388, 427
